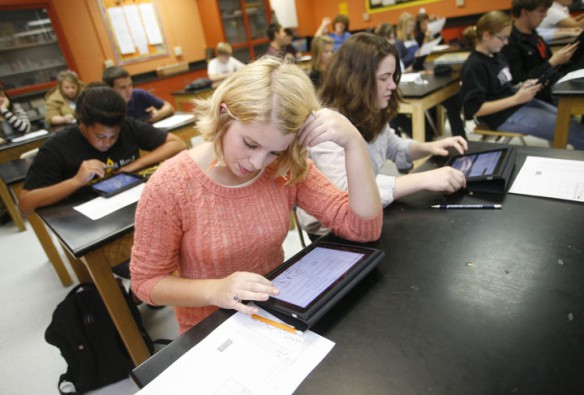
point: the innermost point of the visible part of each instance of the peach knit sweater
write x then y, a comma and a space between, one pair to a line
186, 222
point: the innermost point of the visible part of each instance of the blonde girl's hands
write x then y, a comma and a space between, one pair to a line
231, 291
328, 125
440, 147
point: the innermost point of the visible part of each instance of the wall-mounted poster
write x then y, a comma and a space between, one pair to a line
134, 28
386, 5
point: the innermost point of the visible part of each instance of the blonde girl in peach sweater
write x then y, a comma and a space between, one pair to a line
218, 214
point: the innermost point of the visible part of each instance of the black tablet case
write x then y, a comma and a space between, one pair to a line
305, 322
499, 183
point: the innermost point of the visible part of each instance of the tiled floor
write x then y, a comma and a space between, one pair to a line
30, 290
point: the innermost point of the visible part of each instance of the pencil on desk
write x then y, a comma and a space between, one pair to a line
278, 325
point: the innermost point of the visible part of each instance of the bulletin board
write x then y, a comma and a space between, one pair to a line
374, 6
134, 28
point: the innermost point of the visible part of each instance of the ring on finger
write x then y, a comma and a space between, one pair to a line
236, 298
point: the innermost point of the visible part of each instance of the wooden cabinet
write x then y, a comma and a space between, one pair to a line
30, 54
245, 24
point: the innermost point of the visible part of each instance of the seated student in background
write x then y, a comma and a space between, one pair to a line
387, 31
61, 100
289, 48
278, 40
340, 32
223, 65
12, 116
142, 105
217, 215
321, 51
422, 33
361, 83
489, 94
558, 15
453, 104
103, 143
527, 53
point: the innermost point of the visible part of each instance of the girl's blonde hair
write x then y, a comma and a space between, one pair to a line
71, 76
402, 26
268, 91
317, 48
492, 22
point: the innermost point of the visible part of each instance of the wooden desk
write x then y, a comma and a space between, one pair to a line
12, 151
183, 100
464, 302
99, 245
570, 96
419, 98
185, 130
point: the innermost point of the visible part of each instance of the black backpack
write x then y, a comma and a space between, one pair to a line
88, 340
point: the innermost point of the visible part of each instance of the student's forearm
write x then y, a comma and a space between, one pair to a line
363, 191
171, 147
492, 107
417, 150
33, 199
408, 184
177, 291
167, 110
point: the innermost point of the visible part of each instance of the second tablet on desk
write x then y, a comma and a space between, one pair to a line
115, 184
312, 281
487, 171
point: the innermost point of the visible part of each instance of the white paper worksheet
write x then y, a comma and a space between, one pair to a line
101, 206
243, 356
552, 178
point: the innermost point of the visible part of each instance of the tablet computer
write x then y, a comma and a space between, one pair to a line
115, 184
487, 171
312, 281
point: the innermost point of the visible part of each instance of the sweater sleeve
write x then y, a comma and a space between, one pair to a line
330, 206
17, 118
158, 231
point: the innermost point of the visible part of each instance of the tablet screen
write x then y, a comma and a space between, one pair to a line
117, 183
313, 274
482, 164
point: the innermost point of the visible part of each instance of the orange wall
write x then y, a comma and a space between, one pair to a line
85, 32
310, 13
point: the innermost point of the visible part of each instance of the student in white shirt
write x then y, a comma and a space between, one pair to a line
223, 65
558, 15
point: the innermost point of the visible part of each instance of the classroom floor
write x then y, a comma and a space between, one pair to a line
30, 290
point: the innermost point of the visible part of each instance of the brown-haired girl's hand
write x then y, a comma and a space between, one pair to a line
231, 291
445, 179
440, 147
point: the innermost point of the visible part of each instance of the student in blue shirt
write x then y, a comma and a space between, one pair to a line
340, 32
142, 105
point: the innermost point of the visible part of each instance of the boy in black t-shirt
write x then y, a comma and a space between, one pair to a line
104, 142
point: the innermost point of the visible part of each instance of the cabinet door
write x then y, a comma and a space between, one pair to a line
233, 22
256, 18
29, 50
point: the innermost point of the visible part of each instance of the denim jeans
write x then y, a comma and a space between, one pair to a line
538, 119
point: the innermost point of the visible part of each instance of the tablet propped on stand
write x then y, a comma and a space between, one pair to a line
315, 279
487, 171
